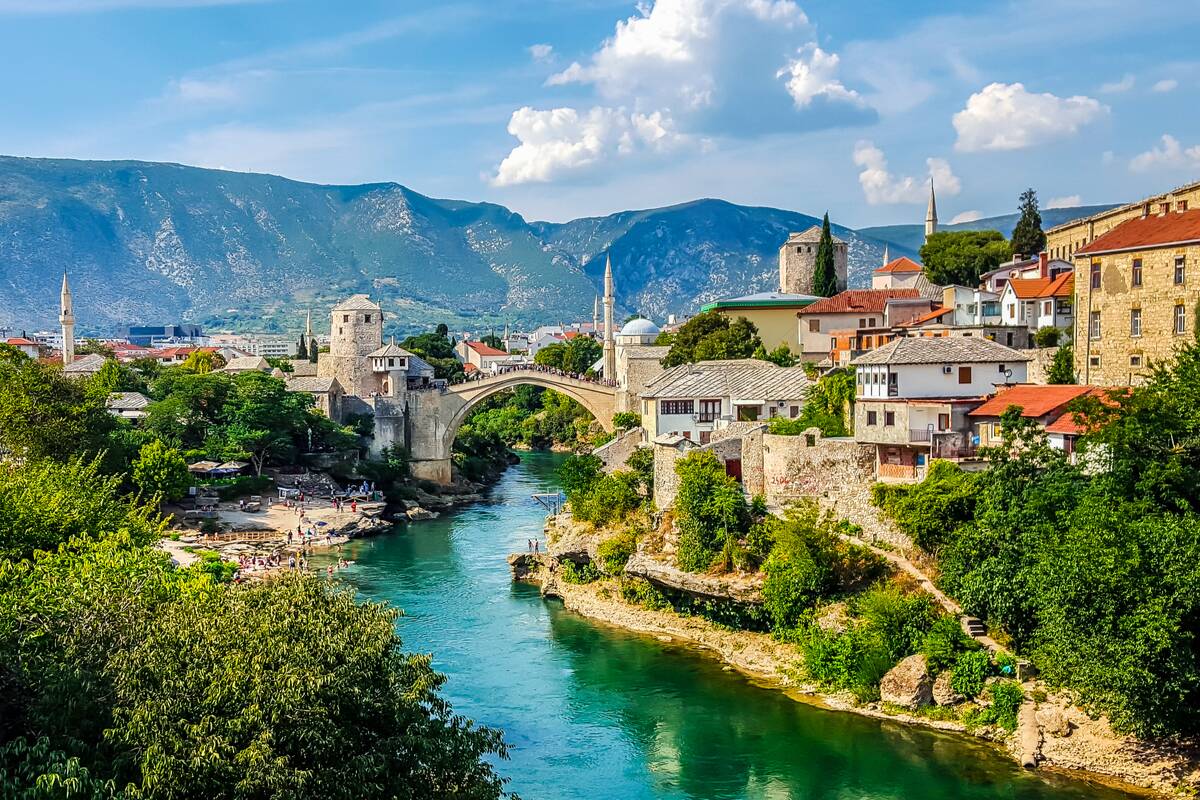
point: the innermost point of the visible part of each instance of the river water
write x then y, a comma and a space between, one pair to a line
594, 712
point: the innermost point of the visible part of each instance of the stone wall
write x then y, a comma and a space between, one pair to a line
666, 482
614, 454
1043, 357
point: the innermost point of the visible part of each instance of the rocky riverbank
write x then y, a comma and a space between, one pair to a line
1052, 732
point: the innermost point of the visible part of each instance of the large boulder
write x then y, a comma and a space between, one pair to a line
943, 692
1053, 721
908, 683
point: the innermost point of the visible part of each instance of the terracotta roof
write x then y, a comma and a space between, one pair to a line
942, 350
488, 350
1145, 232
469, 367
1034, 400
1035, 288
19, 342
856, 300
1066, 423
937, 313
901, 264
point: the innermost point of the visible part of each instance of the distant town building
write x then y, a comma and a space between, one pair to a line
152, 335
859, 315
798, 261
900, 273
479, 355
127, 405
1036, 303
773, 313
26, 346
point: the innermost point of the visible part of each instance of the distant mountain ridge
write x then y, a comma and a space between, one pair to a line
913, 236
154, 243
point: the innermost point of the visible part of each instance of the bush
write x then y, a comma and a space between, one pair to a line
943, 643
1007, 697
615, 552
1047, 336
626, 420
710, 509
580, 573
932, 509
641, 592
242, 485
853, 660
899, 621
609, 499
971, 670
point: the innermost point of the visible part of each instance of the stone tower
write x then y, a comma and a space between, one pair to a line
610, 352
66, 318
355, 331
798, 261
931, 213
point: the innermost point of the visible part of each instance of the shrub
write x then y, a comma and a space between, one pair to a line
1047, 336
853, 659
641, 592
626, 420
970, 671
1007, 697
710, 508
616, 551
580, 573
609, 499
932, 509
899, 621
944, 642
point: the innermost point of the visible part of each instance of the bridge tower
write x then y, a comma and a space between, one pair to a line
355, 331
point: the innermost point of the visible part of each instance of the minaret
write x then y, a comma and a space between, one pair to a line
610, 352
308, 337
66, 318
887, 259
931, 213
595, 315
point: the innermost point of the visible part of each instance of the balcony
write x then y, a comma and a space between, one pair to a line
919, 435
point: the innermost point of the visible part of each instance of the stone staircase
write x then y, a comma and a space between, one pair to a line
974, 627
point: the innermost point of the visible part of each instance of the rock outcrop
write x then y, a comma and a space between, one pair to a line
1053, 721
739, 587
908, 684
943, 692
416, 513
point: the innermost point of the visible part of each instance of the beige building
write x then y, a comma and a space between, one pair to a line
798, 261
1063, 241
773, 313
1137, 287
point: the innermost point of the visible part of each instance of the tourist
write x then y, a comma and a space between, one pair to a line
353, 506
292, 561
329, 571
535, 547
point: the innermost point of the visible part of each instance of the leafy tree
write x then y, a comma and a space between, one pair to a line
960, 257
1027, 237
94, 347
710, 509
160, 471
576, 355
492, 340
824, 271
781, 356
578, 474
711, 336
1062, 368
641, 464
281, 364
438, 349
314, 351
262, 419
626, 420
202, 362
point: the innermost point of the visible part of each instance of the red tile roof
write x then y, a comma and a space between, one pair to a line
859, 300
19, 342
1146, 232
469, 367
1066, 423
1036, 288
901, 264
484, 350
937, 313
1034, 400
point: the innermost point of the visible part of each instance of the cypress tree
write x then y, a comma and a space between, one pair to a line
824, 272
313, 351
301, 349
1027, 236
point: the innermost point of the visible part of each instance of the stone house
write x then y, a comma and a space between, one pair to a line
326, 392
1137, 292
855, 313
1064, 241
798, 261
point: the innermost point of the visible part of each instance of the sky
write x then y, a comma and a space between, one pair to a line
566, 108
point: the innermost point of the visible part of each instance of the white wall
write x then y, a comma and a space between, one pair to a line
929, 380
822, 342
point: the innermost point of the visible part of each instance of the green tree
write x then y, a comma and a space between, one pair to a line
438, 349
492, 340
711, 336
1062, 368
160, 471
626, 420
1027, 237
781, 356
202, 362
710, 509
302, 349
960, 257
825, 282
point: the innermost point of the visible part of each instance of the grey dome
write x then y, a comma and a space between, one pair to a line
639, 327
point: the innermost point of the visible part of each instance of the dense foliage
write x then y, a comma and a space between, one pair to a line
960, 257
1027, 236
710, 510
124, 677
576, 355
711, 336
598, 497
535, 418
1093, 568
437, 348
828, 405
1062, 368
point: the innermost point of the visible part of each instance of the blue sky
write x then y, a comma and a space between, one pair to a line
560, 109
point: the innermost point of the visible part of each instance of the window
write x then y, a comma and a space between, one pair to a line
1180, 319
862, 323
1181, 205
1137, 272
367, 318
705, 437
1094, 360
1135, 361
943, 422
1094, 325
709, 410
1008, 338
871, 322
676, 406
687, 435
1096, 274
1164, 208
964, 374
814, 326
345, 317
794, 411
1180, 272
1135, 322
1012, 311
872, 417
1001, 370
339, 330
889, 418
1046, 307
391, 362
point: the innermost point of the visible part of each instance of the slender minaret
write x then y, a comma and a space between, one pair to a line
931, 213
66, 318
887, 259
610, 352
595, 315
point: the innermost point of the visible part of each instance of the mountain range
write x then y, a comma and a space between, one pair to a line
152, 243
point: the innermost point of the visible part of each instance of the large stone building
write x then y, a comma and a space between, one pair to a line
1137, 288
798, 262
1063, 241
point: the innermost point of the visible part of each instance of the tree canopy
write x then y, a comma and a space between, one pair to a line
960, 257
575, 355
711, 336
1027, 237
825, 270
438, 349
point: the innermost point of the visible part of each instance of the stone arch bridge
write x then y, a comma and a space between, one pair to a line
435, 416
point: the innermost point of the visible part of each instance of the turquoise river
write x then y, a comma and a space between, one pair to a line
594, 712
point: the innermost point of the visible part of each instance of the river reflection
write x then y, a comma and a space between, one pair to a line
593, 712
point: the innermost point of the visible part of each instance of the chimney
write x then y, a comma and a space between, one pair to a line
1044, 264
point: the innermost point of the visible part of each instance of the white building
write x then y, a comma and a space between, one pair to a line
693, 400
26, 346
1040, 302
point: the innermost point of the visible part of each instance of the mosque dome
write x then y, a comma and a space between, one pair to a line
639, 327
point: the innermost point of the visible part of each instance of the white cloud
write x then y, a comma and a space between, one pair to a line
1165, 85
541, 52
1169, 153
1116, 87
561, 141
966, 216
1007, 117
880, 186
814, 74
1069, 201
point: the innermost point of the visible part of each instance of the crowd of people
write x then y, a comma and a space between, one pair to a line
497, 370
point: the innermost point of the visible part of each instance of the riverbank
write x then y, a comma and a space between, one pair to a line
1064, 738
